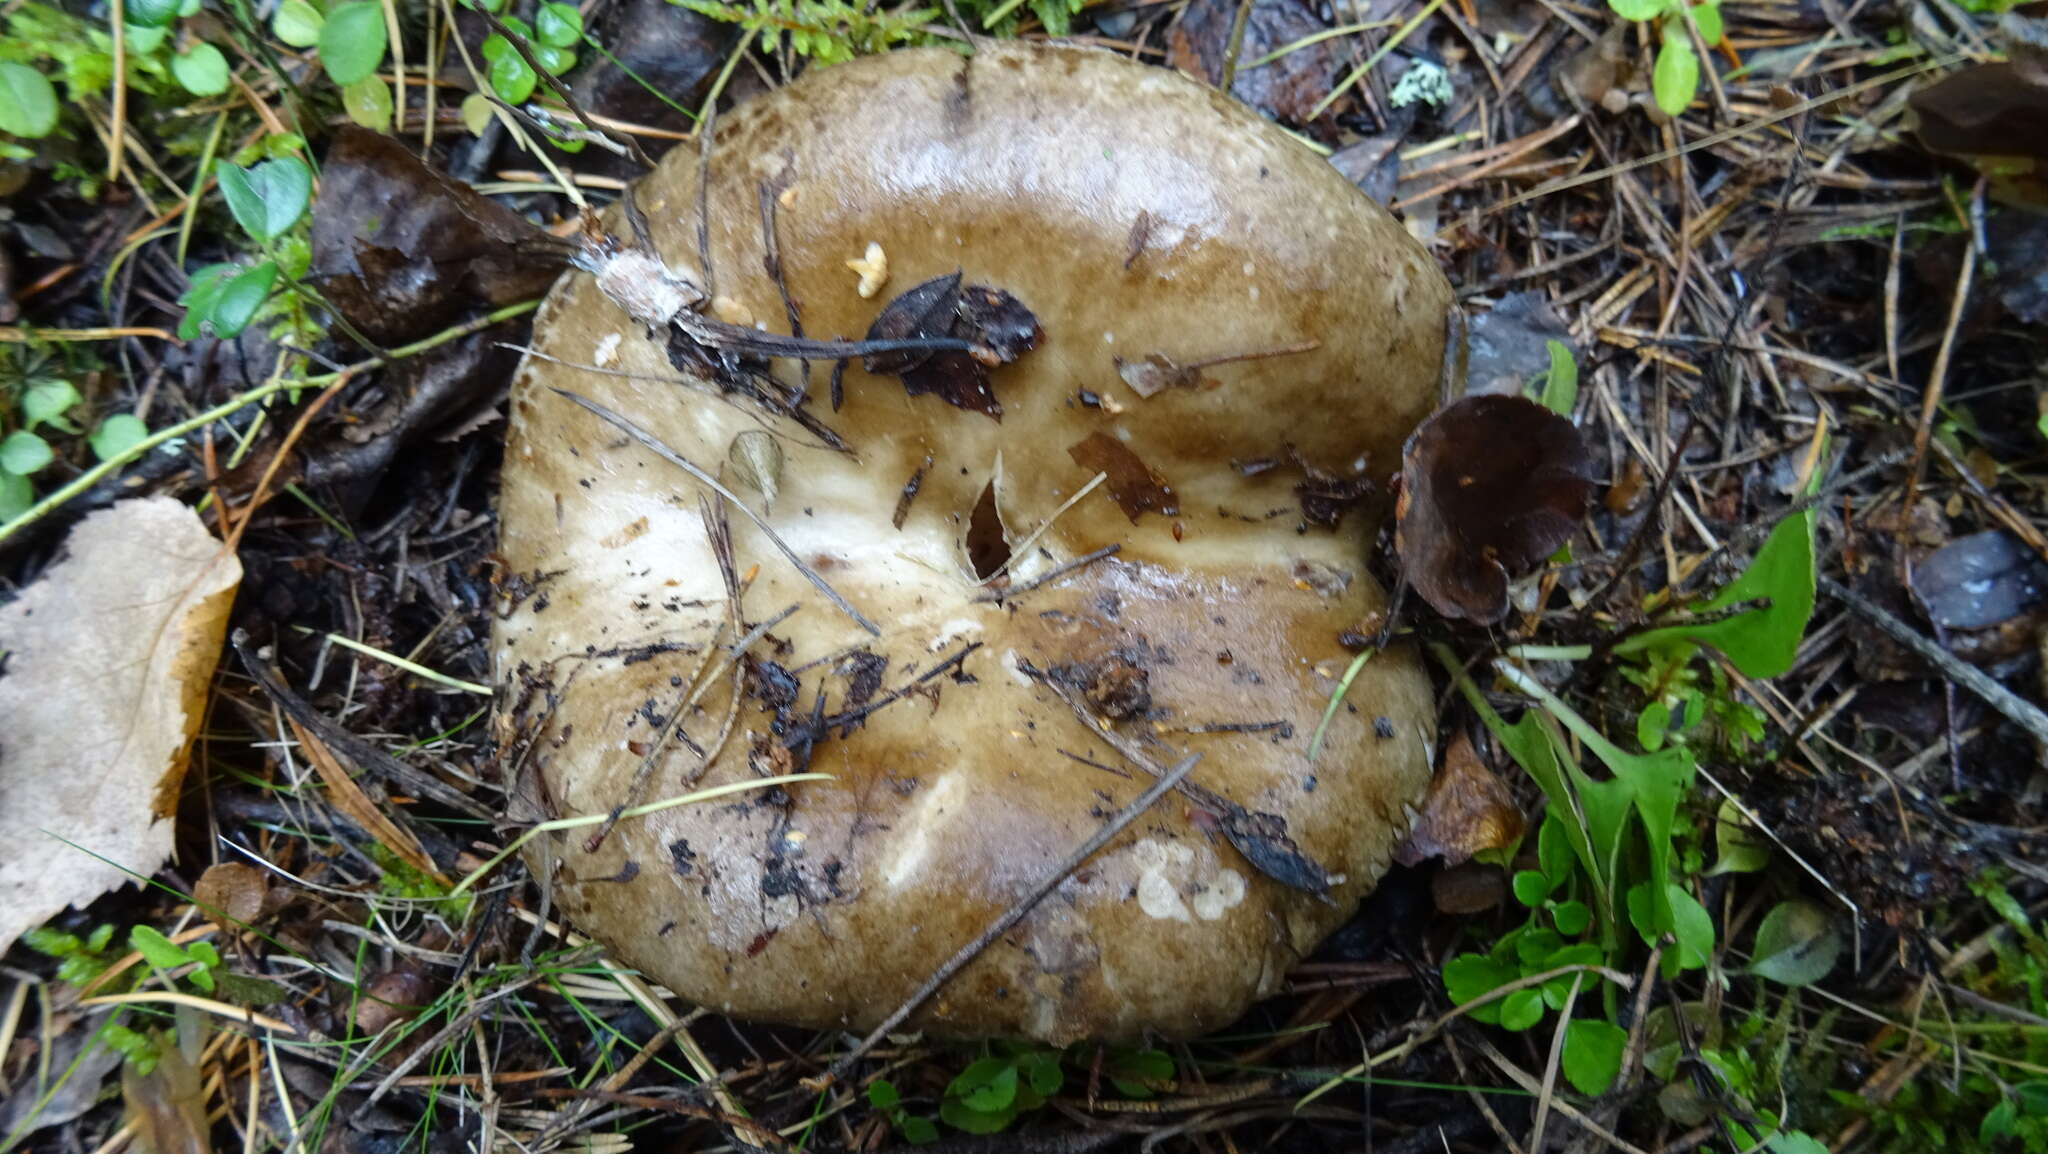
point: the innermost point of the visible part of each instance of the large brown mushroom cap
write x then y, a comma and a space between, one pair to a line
1135, 213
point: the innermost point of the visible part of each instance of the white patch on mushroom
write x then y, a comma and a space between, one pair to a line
1158, 898
929, 813
1214, 900
607, 350
1108, 338
957, 629
873, 267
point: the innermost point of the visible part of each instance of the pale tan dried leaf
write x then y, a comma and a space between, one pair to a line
1469, 810
232, 894
348, 797
110, 655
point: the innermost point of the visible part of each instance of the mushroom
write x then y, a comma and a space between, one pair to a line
1045, 587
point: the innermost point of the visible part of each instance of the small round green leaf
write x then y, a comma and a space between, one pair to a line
1677, 74
144, 39
352, 42
1571, 917
269, 198
882, 1094
1592, 1055
1638, 9
46, 402
554, 61
560, 25
368, 102
1521, 1009
1796, 945
149, 13
203, 71
1531, 888
919, 1131
28, 104
511, 79
297, 23
477, 111
24, 453
117, 435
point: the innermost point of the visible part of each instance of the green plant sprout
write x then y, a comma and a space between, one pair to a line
1607, 847
827, 31
1675, 77
43, 402
1014, 1078
79, 960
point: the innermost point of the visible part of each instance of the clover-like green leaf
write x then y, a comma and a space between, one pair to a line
46, 402
1763, 641
269, 198
297, 23
1592, 1054
559, 25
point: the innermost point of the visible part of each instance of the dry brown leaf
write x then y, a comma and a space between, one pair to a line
109, 657
349, 798
1469, 810
167, 1106
232, 894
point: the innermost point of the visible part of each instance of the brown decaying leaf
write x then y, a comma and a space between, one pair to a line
1287, 88
402, 250
167, 1106
1136, 489
110, 655
233, 895
1984, 110
349, 798
660, 59
1490, 487
396, 995
943, 307
1468, 811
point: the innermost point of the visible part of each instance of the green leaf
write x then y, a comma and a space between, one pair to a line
16, 495
918, 1131
1470, 976
368, 103
1694, 928
986, 1085
1561, 386
1571, 918
1042, 1073
269, 198
1740, 848
46, 402
1554, 849
144, 39
240, 298
553, 61
1653, 724
1592, 1055
23, 453
1521, 1009
149, 13
511, 79
28, 103
1638, 9
297, 23
156, 949
882, 1094
1763, 641
1676, 75
963, 1117
477, 111
1795, 1142
1796, 944
1531, 888
203, 71
352, 41
560, 25
1707, 18
1130, 1070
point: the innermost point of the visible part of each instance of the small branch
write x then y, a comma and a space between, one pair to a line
2016, 709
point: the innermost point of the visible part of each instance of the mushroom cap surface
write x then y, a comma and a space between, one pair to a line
1135, 213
